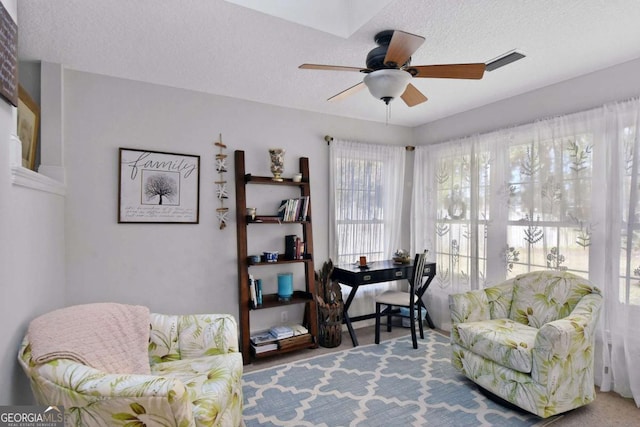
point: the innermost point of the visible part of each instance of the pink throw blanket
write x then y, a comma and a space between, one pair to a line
110, 337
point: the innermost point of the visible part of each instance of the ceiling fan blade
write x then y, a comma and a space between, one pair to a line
347, 92
401, 47
412, 96
450, 71
330, 67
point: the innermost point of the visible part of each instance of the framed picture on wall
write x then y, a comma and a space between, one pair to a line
8, 57
28, 127
158, 187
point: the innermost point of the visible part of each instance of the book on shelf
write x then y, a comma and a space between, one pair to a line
277, 333
298, 329
305, 208
290, 246
293, 247
262, 338
294, 209
258, 349
299, 252
282, 210
281, 332
278, 337
290, 330
253, 292
259, 291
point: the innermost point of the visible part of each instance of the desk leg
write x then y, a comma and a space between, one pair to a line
426, 315
420, 293
347, 319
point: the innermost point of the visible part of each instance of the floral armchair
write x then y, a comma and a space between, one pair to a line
194, 378
529, 340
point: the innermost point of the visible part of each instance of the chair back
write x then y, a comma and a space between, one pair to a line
561, 291
418, 272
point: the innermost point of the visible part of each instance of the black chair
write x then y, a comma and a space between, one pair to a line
393, 300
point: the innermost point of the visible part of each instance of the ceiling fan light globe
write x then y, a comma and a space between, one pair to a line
387, 84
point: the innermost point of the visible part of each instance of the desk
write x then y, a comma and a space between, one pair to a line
380, 271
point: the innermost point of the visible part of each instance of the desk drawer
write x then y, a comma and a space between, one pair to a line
382, 271
383, 276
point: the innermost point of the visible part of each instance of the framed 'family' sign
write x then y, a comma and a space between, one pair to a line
157, 187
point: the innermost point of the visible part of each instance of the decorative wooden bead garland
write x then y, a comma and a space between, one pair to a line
221, 185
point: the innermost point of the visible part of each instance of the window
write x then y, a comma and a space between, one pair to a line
562, 193
549, 222
359, 210
366, 192
366, 196
629, 292
462, 212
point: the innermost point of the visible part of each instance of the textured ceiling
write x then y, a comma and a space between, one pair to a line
222, 48
339, 17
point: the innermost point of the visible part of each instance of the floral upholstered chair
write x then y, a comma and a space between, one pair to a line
192, 375
529, 340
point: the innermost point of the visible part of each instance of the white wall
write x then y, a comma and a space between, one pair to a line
31, 258
180, 268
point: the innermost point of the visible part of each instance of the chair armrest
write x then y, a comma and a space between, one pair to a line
207, 335
86, 380
92, 394
470, 306
565, 346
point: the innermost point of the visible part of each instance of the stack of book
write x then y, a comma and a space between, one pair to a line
281, 332
263, 341
294, 209
270, 340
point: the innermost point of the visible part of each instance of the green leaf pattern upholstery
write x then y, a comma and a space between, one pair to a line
195, 379
529, 340
504, 341
163, 339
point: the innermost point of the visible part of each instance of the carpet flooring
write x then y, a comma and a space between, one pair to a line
390, 384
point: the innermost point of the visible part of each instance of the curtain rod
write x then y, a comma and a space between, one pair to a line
329, 139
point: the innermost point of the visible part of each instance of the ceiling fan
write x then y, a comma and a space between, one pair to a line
389, 70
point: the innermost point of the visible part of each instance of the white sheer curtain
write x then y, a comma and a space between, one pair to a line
366, 192
562, 193
442, 220
621, 186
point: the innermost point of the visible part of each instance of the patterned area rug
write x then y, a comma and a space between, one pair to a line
384, 385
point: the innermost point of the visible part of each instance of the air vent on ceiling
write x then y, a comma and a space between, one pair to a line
503, 60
